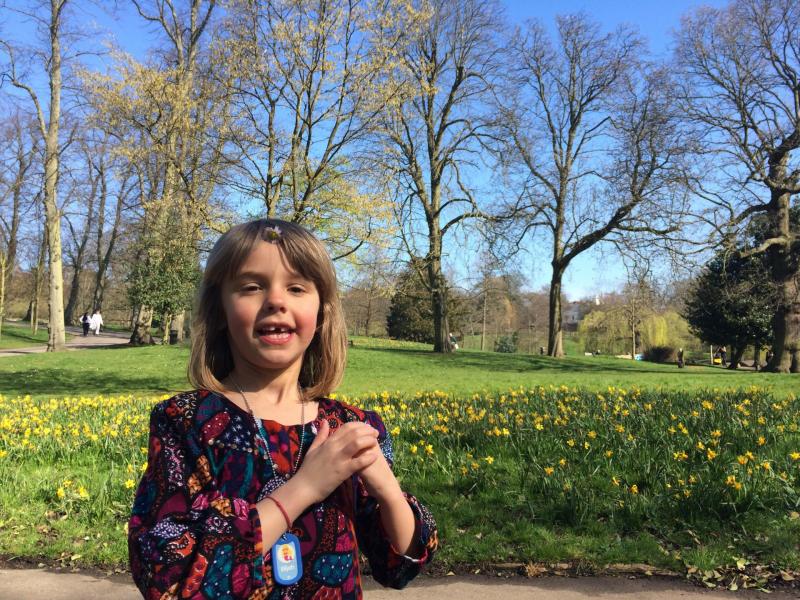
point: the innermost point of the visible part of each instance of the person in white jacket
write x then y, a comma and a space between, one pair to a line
95, 322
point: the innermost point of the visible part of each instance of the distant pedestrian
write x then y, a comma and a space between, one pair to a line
723, 354
95, 322
453, 341
680, 358
85, 321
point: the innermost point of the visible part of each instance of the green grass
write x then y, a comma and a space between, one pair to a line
19, 336
544, 475
570, 515
374, 365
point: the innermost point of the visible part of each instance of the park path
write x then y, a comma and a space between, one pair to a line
106, 339
41, 584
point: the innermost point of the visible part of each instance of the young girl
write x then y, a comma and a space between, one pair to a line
257, 485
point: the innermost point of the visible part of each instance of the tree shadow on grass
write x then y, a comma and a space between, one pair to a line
117, 376
496, 361
57, 383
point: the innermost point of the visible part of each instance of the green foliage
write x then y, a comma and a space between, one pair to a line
732, 301
609, 332
411, 313
506, 343
410, 316
166, 277
654, 331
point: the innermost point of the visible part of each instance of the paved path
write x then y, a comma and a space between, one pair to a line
106, 339
41, 584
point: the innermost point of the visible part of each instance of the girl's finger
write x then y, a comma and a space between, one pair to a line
322, 434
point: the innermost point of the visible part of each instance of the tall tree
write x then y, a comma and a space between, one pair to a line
77, 246
587, 131
18, 151
741, 68
432, 134
51, 22
309, 80
172, 116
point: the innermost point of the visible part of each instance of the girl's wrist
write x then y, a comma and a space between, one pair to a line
294, 496
393, 499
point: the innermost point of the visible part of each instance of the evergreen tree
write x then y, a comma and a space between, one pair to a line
411, 312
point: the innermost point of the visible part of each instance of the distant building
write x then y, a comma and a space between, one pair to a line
572, 313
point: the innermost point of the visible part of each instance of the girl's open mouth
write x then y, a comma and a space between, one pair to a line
275, 335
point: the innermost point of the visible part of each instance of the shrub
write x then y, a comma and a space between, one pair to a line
661, 354
506, 343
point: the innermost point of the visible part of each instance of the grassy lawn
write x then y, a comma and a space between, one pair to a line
374, 366
19, 336
671, 468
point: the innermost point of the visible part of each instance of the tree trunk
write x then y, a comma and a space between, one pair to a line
13, 232
56, 339
757, 355
141, 329
104, 259
3, 267
368, 317
166, 326
786, 328
736, 357
441, 333
33, 309
72, 300
179, 324
554, 337
438, 286
784, 264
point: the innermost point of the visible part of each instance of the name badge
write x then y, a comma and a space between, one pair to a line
287, 563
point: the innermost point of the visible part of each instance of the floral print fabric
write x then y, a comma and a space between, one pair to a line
195, 533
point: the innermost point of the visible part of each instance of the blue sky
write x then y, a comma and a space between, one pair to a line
590, 273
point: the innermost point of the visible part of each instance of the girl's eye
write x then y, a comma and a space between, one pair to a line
296, 289
252, 287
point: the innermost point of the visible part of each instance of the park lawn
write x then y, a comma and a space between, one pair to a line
65, 496
692, 482
19, 336
374, 365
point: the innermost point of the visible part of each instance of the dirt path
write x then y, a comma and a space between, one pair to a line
106, 339
41, 584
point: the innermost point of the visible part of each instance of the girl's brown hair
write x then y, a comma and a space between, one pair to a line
324, 360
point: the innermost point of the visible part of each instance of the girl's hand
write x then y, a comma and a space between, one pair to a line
332, 459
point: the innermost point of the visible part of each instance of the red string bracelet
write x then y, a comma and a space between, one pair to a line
283, 511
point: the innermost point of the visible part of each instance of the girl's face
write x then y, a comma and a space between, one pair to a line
270, 311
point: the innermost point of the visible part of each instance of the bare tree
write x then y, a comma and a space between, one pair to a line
741, 70
588, 132
105, 241
433, 133
53, 24
18, 150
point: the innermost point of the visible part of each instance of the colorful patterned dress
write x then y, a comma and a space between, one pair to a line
195, 532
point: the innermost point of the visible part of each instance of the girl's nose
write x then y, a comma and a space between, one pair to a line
275, 300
